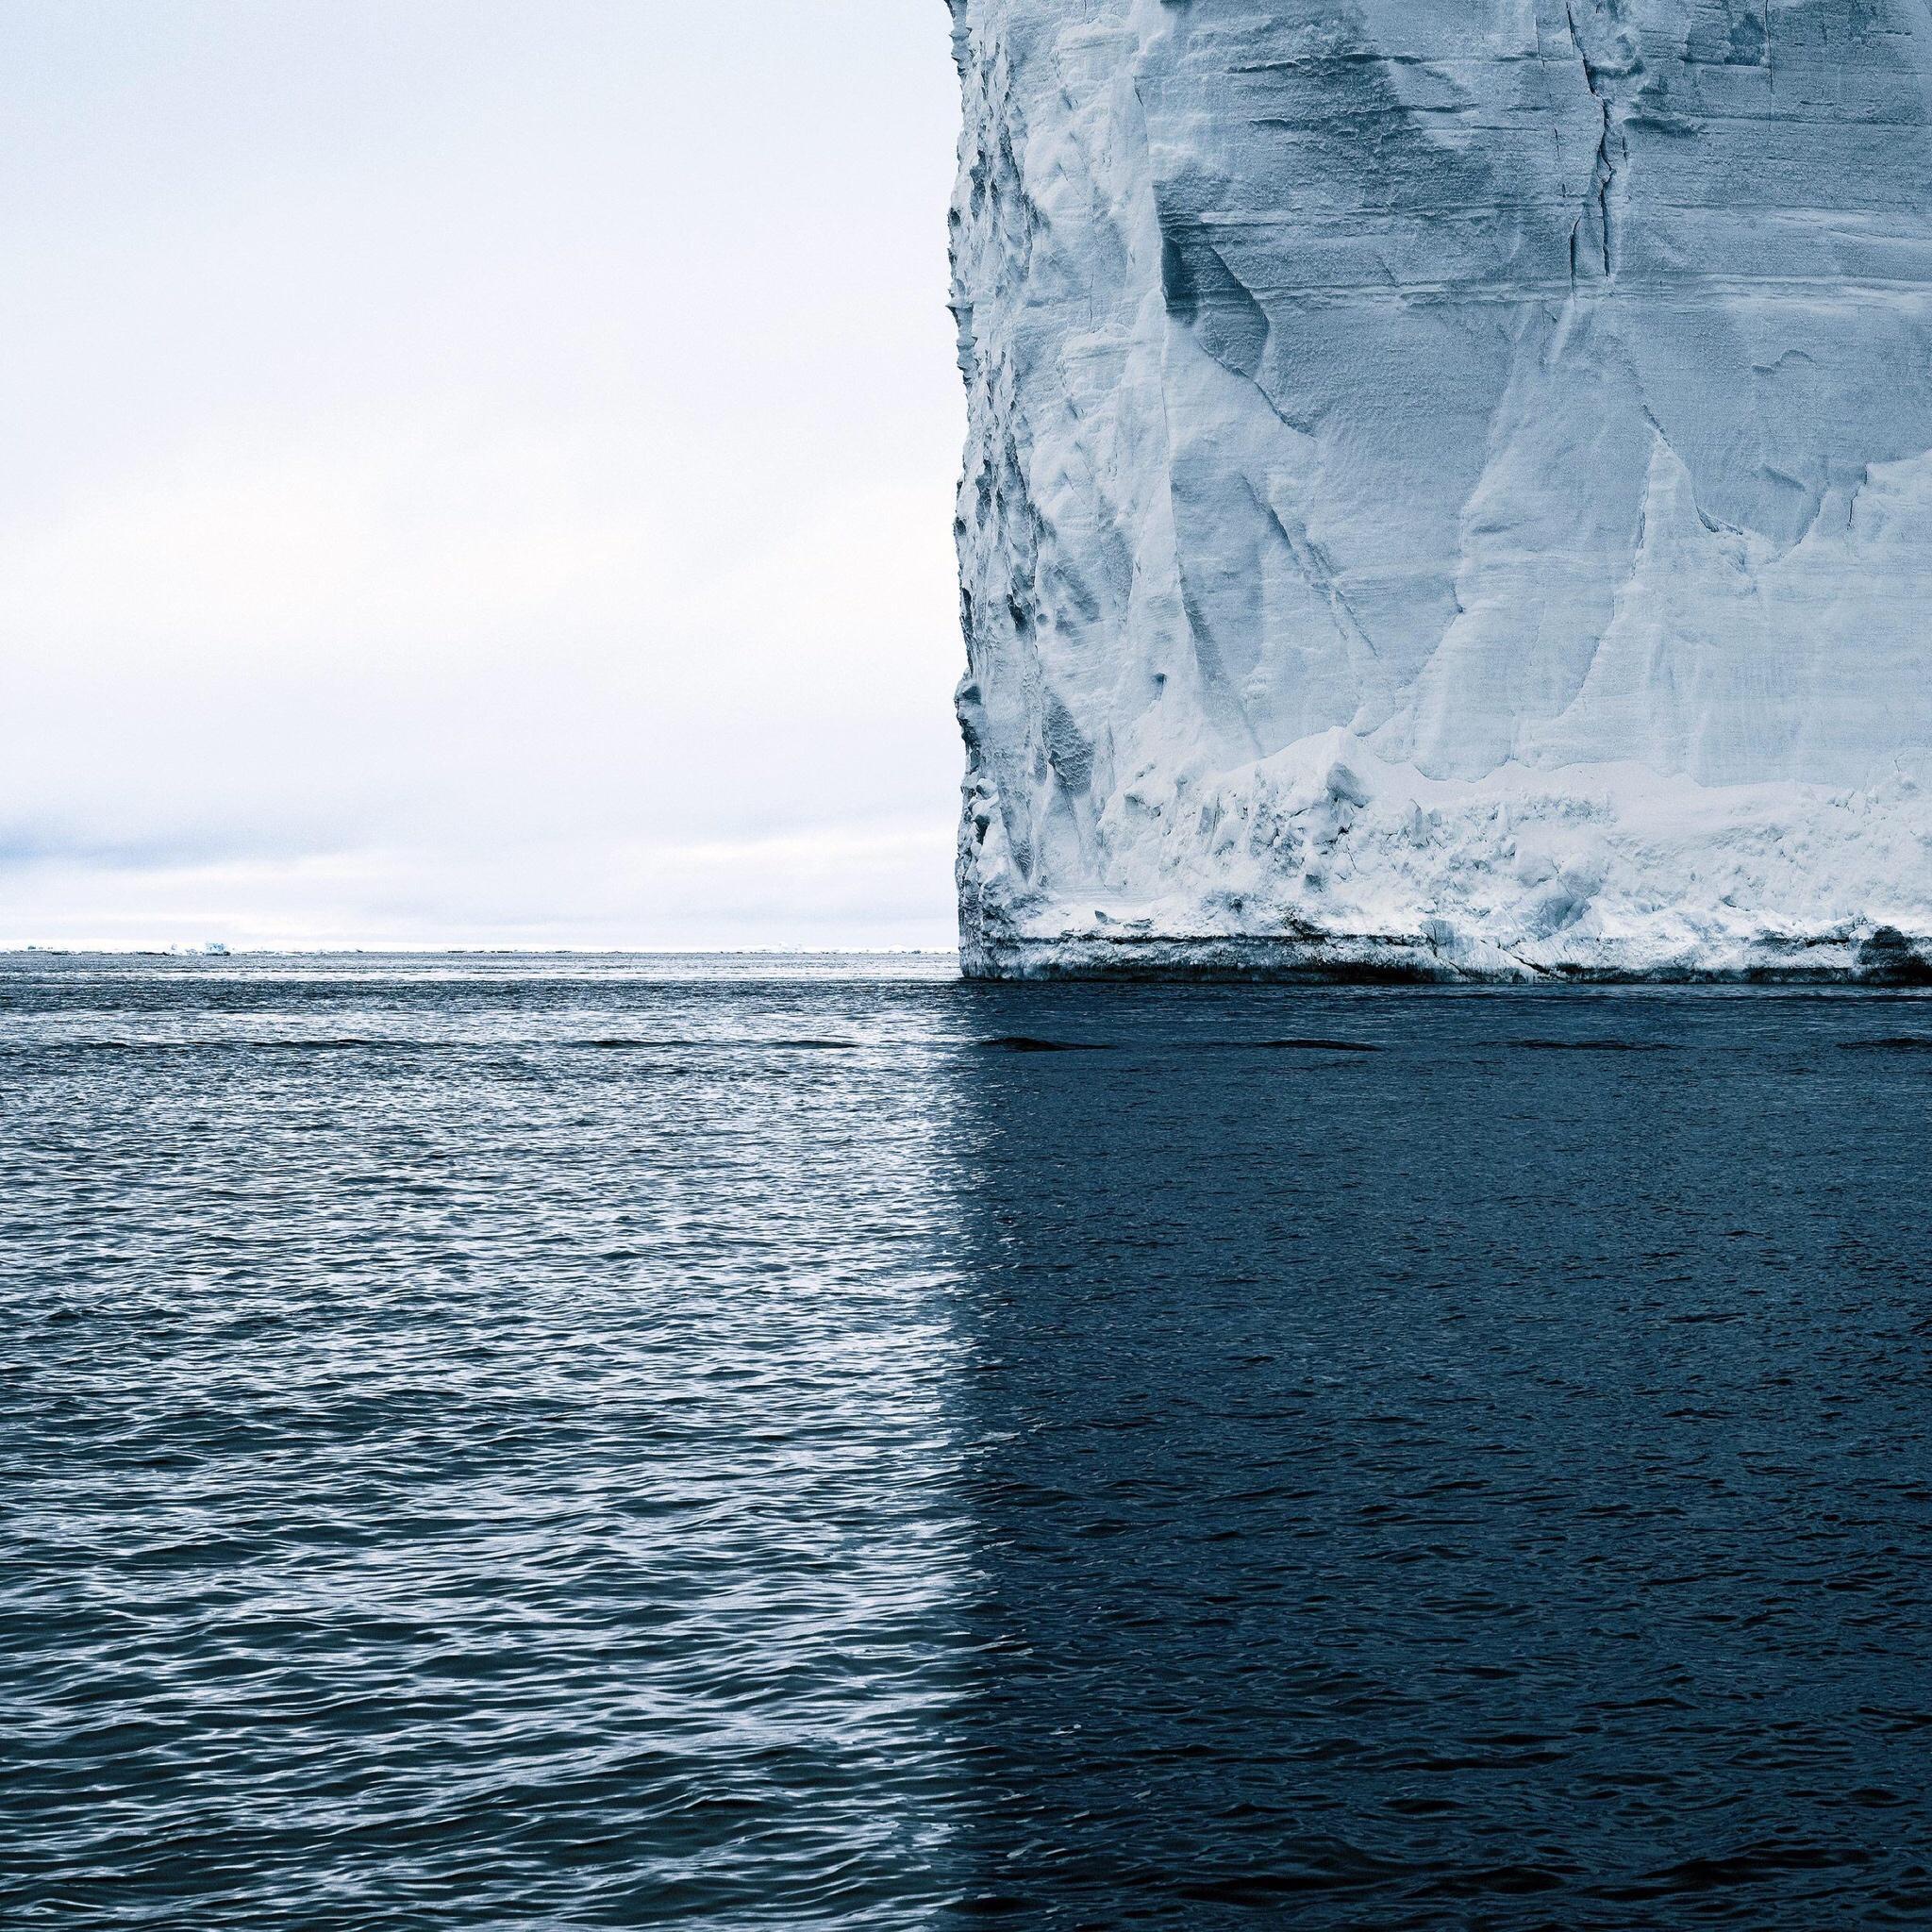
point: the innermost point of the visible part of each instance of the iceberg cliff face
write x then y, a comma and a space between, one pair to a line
1449, 485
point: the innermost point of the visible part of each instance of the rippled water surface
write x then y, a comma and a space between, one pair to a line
529, 1443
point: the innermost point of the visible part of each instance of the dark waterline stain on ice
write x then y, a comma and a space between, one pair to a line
798, 1443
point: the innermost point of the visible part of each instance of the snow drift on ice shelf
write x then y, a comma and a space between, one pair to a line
1449, 485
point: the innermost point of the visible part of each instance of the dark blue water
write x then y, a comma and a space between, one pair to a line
531, 1444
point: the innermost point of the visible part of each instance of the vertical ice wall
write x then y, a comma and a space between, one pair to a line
1449, 483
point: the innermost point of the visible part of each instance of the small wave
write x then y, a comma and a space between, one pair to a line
1593, 1045
366, 1043
1310, 1865
1753, 1865
1316, 1047
1508, 1881
39, 1049
1896, 1042
332, 1046
1024, 1043
702, 1046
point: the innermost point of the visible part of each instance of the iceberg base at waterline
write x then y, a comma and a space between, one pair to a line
1324, 862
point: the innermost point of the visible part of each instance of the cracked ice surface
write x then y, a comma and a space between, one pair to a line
1449, 483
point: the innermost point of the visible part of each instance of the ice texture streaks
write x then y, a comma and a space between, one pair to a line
1523, 407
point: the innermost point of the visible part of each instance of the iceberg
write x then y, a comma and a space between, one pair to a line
1448, 488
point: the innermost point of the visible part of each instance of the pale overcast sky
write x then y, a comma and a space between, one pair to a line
480, 472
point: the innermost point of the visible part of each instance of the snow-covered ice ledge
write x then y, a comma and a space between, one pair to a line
1448, 489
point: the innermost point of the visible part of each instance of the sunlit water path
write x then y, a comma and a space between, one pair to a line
495, 1442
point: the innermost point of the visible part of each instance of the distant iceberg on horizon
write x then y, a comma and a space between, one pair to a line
1449, 486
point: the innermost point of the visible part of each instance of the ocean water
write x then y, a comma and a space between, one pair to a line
545, 1443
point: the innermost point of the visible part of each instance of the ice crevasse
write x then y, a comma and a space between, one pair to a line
1448, 488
